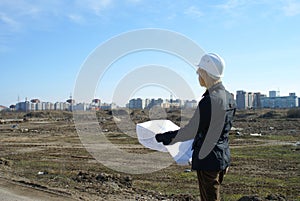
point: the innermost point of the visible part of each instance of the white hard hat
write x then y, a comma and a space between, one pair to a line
213, 64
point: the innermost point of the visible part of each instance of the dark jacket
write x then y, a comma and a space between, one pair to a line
209, 126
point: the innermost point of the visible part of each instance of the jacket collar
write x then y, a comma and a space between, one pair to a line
217, 86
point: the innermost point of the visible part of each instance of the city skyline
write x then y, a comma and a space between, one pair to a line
255, 101
44, 44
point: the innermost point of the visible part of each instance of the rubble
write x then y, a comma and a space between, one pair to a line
270, 197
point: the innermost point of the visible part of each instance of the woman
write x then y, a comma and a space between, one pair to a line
209, 127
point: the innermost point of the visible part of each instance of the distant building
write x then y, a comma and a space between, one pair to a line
171, 103
289, 101
96, 102
47, 106
256, 100
177, 103
62, 106
241, 99
80, 107
191, 104
153, 102
38, 106
105, 106
23, 106
95, 105
69, 105
58, 106
249, 100
166, 105
32, 106
273, 94
136, 104
147, 102
2, 107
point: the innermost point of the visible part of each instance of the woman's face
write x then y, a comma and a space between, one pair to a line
200, 78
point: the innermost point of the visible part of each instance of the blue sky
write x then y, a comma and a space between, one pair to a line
44, 43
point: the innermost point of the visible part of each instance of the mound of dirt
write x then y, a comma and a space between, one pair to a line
104, 178
271, 197
49, 114
120, 112
293, 113
269, 115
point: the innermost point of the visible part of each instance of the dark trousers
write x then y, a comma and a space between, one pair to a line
209, 184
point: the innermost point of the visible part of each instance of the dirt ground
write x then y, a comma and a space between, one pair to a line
42, 158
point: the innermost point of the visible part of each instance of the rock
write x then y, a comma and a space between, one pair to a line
187, 170
5, 162
82, 177
238, 133
23, 130
127, 181
236, 129
255, 134
42, 172
102, 177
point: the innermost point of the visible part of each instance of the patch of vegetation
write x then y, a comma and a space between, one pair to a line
231, 197
283, 152
289, 137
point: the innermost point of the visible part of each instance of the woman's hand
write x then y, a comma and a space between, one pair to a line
165, 138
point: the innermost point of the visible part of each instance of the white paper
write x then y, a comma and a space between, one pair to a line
146, 133
181, 151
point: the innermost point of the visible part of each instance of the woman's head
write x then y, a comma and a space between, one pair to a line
205, 80
211, 68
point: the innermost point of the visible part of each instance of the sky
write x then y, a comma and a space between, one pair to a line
44, 44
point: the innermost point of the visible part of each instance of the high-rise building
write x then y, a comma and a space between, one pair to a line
154, 102
256, 100
23, 106
80, 107
147, 102
136, 103
274, 94
38, 106
250, 100
241, 99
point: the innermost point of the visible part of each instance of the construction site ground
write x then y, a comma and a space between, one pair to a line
43, 158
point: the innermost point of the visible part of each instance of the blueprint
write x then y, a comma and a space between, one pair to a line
181, 152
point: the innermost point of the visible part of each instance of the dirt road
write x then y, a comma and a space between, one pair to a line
16, 192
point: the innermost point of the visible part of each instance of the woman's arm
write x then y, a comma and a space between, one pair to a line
195, 125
